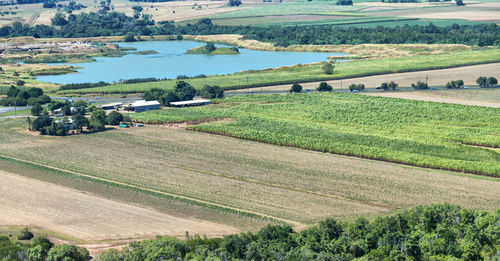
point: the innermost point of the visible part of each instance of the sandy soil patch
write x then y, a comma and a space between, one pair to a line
487, 98
31, 202
468, 74
468, 15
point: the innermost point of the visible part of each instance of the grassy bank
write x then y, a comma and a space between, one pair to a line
309, 73
417, 133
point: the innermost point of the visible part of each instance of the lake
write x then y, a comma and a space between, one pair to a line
171, 62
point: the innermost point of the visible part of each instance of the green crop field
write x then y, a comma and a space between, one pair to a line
283, 21
426, 134
309, 73
259, 180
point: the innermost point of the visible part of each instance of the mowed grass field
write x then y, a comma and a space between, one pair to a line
278, 183
313, 72
434, 135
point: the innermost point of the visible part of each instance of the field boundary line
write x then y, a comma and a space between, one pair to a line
158, 192
280, 186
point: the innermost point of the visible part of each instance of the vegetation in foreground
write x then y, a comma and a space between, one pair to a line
312, 72
426, 134
436, 232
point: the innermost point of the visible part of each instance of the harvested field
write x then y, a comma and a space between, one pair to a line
292, 184
468, 74
86, 217
468, 15
483, 97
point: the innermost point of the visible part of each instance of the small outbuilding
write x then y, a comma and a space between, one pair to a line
197, 102
142, 105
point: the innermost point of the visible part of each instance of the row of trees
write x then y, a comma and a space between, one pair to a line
182, 91
24, 96
438, 232
485, 82
114, 23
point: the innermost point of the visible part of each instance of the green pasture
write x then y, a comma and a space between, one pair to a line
313, 72
425, 134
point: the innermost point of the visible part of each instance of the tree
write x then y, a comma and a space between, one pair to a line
25, 234
129, 37
137, 11
80, 121
12, 91
460, 2
296, 88
20, 83
482, 82
36, 110
35, 92
324, 87
184, 91
66, 109
327, 68
114, 118
459, 83
356, 87
420, 86
169, 97
384, 86
153, 94
98, 120
392, 85
59, 20
68, 252
492, 81
211, 92
234, 2
40, 123
210, 47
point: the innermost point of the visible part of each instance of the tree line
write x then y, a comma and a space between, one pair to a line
104, 23
182, 91
435, 232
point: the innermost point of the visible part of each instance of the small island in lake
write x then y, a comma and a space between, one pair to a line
211, 49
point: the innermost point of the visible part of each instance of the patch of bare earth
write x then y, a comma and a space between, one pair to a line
468, 74
31, 202
483, 97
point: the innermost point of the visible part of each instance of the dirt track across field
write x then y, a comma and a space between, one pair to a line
31, 202
468, 74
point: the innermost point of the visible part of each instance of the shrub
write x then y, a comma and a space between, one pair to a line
211, 92
36, 110
327, 68
296, 88
114, 118
420, 86
356, 87
25, 234
324, 87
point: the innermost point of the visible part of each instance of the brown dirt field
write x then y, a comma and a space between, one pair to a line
468, 74
86, 217
483, 97
298, 185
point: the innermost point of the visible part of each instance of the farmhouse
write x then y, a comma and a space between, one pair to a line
139, 106
197, 102
111, 106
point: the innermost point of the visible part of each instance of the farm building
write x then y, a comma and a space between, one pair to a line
139, 106
197, 102
111, 106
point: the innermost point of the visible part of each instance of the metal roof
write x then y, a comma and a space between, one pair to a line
144, 103
111, 104
189, 102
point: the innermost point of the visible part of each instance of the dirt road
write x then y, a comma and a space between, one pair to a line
34, 203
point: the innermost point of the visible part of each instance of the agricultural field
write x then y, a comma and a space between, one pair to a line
53, 207
433, 135
468, 74
483, 97
223, 177
313, 72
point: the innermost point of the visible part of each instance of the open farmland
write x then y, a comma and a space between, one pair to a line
56, 208
482, 97
411, 132
468, 74
313, 72
266, 180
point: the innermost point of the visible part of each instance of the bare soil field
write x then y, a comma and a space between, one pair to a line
298, 186
468, 74
86, 217
483, 97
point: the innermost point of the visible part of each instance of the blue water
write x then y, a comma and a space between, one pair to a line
171, 62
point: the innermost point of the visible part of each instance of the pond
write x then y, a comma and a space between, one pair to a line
171, 61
